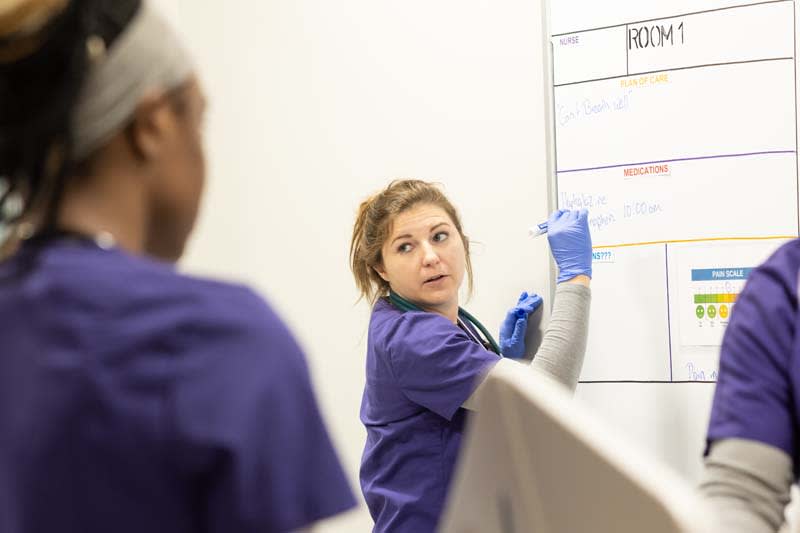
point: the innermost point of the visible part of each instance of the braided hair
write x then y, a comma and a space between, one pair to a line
41, 77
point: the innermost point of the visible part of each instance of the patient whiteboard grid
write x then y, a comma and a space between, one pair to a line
679, 134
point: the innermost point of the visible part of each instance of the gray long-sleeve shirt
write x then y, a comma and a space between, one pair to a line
563, 347
747, 484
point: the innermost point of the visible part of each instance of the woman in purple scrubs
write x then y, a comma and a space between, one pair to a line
753, 451
132, 398
425, 360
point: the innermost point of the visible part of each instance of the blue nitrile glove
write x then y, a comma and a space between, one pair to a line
512, 330
570, 243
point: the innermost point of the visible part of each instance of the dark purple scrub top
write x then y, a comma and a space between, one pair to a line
420, 369
758, 392
135, 399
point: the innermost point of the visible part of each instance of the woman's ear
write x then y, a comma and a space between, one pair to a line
149, 124
381, 271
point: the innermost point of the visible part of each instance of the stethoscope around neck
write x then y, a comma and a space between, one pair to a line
404, 305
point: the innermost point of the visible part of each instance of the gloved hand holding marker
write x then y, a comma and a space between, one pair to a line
570, 242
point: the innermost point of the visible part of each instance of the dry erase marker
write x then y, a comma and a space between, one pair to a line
538, 229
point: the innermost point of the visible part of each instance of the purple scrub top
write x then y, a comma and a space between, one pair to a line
136, 399
758, 392
420, 369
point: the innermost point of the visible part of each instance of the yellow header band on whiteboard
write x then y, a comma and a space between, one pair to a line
708, 239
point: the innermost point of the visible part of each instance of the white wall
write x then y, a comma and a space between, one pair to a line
314, 105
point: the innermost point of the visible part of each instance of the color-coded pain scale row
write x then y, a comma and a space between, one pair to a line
728, 298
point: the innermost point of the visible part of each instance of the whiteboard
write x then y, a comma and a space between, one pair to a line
676, 126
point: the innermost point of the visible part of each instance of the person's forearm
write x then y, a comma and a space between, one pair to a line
563, 347
560, 357
747, 485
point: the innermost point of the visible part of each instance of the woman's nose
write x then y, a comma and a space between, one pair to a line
430, 257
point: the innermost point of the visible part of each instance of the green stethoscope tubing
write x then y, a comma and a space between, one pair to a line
404, 305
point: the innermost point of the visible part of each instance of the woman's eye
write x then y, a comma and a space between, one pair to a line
441, 236
404, 248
